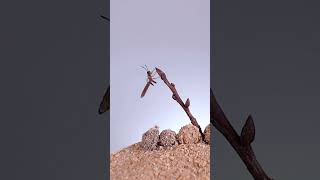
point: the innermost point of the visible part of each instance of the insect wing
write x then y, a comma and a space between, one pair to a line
145, 89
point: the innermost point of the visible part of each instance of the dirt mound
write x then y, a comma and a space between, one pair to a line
184, 161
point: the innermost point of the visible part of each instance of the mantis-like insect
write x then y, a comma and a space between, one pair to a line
150, 79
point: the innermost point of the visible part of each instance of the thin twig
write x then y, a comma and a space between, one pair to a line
177, 98
242, 143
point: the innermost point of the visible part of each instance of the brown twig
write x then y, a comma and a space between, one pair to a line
241, 144
177, 98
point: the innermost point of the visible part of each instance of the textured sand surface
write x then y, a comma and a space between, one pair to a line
184, 161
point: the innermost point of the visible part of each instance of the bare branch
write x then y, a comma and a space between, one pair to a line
240, 144
177, 98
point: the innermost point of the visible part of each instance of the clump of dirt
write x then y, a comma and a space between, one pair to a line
150, 139
189, 134
167, 138
180, 161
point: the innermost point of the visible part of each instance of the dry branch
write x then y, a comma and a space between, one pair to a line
241, 144
177, 98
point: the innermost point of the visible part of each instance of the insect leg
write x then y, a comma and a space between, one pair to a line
154, 77
153, 71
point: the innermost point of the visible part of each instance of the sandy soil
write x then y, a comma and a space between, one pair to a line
181, 162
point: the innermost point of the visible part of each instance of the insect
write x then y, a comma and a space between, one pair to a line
150, 79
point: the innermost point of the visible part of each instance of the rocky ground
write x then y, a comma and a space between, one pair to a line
183, 158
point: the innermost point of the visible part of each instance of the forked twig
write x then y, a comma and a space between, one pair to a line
242, 143
177, 98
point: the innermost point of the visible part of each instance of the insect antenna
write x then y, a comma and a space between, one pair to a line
144, 68
153, 70
147, 67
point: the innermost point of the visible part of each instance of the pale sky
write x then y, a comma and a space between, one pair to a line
172, 35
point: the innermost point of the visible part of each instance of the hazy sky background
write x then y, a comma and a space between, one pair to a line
172, 35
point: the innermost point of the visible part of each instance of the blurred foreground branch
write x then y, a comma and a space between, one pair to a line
241, 144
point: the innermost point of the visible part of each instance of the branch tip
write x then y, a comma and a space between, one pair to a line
176, 97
